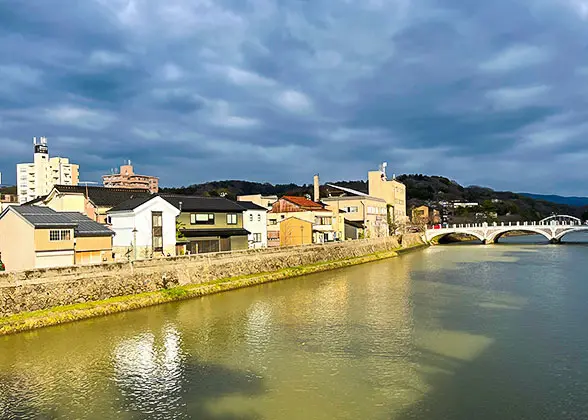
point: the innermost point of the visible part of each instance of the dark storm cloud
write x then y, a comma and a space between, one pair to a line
490, 93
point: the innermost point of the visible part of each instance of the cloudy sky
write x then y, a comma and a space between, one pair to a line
485, 92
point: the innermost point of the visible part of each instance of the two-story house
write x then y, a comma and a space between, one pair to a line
210, 224
39, 237
301, 208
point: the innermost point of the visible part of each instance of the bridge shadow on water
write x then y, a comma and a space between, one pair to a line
515, 376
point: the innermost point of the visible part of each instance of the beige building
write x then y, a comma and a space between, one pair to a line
39, 237
425, 215
127, 178
36, 179
356, 206
391, 191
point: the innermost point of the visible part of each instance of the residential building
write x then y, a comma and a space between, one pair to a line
305, 209
295, 231
39, 237
144, 227
255, 222
391, 191
266, 201
36, 179
127, 178
210, 224
359, 207
92, 201
7, 200
462, 205
426, 215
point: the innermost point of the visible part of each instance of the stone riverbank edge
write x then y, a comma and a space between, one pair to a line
27, 321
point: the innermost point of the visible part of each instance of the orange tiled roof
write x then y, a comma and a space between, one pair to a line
303, 202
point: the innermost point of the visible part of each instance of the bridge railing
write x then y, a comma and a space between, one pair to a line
550, 223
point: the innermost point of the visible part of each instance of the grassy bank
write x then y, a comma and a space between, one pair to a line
59, 315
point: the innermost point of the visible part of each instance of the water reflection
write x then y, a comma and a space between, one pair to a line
456, 332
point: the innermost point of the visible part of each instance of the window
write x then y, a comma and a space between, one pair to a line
257, 237
231, 219
251, 217
59, 235
323, 221
272, 221
353, 209
202, 219
258, 217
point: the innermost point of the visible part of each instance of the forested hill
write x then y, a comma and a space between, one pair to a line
421, 189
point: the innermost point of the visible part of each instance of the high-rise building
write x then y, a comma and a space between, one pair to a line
36, 179
127, 178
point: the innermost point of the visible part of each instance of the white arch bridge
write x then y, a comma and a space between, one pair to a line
553, 228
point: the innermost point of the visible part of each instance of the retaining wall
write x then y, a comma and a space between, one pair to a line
33, 290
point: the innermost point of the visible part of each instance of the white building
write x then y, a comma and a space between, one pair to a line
144, 227
255, 222
38, 178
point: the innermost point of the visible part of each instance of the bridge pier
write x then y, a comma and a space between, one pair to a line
555, 241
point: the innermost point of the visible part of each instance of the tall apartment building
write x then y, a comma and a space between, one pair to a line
36, 179
127, 178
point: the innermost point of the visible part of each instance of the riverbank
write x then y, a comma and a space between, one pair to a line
170, 292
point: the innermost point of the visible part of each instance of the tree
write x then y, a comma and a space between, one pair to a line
179, 234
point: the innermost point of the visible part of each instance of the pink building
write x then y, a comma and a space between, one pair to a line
127, 178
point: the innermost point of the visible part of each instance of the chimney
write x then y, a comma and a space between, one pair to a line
317, 190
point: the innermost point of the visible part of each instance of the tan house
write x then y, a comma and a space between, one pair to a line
302, 208
295, 231
92, 201
266, 201
39, 237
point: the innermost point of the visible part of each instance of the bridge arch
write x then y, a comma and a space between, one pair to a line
559, 236
440, 235
495, 236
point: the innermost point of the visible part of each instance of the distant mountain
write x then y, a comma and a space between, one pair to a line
558, 199
420, 189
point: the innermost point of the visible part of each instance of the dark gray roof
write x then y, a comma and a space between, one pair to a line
248, 205
43, 216
86, 226
131, 204
104, 196
194, 204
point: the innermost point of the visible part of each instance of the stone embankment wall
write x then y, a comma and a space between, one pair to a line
33, 290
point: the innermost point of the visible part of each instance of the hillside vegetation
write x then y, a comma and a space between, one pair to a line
421, 189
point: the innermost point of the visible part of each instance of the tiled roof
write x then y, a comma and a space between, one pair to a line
35, 201
194, 204
104, 196
131, 204
303, 202
86, 226
248, 205
43, 216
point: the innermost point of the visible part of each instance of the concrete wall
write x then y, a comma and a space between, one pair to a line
41, 289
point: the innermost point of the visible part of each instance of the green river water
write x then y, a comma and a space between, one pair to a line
466, 332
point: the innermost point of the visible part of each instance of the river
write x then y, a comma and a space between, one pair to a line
451, 332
